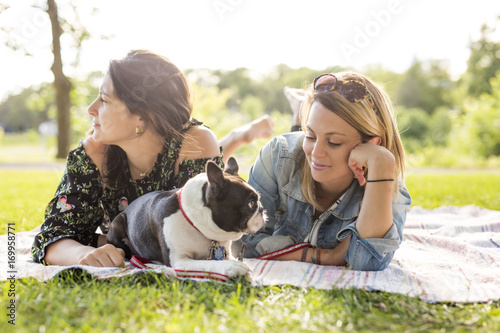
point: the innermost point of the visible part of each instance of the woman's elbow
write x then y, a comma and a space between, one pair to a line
372, 264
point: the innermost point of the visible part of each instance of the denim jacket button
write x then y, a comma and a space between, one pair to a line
329, 221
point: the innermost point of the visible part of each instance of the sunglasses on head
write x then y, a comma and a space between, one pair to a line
352, 90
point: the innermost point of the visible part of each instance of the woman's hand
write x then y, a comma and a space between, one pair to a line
335, 256
104, 256
379, 161
67, 252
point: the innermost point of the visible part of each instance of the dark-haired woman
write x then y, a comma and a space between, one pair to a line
143, 139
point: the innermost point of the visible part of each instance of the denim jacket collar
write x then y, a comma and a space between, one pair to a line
293, 188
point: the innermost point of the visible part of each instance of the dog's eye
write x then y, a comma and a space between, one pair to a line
251, 204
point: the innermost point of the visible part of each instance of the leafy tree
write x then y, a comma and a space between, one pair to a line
210, 106
238, 82
425, 85
25, 110
477, 130
484, 61
36, 104
388, 79
252, 107
62, 83
440, 126
84, 92
413, 125
282, 75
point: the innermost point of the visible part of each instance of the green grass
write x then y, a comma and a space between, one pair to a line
155, 303
455, 189
27, 147
24, 196
148, 302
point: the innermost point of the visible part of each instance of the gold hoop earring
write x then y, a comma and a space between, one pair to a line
139, 130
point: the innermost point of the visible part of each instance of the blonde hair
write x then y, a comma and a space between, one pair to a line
369, 120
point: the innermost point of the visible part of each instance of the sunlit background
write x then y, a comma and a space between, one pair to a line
257, 34
433, 57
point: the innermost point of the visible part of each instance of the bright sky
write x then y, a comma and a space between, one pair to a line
257, 34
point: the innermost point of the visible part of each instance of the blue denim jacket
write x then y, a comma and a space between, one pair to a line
276, 175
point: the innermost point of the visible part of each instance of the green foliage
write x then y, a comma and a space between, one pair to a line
484, 61
27, 109
439, 126
238, 82
419, 130
83, 93
252, 106
389, 80
413, 122
433, 111
425, 85
209, 106
35, 105
477, 131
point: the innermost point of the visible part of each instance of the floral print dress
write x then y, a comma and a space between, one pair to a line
81, 204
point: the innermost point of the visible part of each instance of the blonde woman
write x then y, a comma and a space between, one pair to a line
334, 190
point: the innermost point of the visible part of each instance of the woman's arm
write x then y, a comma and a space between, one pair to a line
375, 217
257, 129
66, 252
74, 213
328, 257
377, 233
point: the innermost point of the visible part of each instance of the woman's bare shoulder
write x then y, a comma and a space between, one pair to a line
200, 142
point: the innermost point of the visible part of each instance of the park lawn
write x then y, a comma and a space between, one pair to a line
155, 303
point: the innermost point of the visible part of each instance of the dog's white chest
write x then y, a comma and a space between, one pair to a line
183, 240
189, 249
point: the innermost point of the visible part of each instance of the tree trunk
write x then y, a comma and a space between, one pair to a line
62, 85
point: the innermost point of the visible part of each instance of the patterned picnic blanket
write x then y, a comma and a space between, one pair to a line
447, 254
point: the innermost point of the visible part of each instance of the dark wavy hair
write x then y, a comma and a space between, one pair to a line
155, 89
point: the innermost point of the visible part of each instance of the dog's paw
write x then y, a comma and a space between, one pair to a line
233, 268
229, 268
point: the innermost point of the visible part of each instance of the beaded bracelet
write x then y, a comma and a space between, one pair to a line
316, 258
312, 256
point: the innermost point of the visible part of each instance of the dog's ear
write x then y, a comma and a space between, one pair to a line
231, 166
215, 175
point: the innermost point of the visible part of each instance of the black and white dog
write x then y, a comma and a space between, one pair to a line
192, 228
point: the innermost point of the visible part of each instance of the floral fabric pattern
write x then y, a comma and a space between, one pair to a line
81, 204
